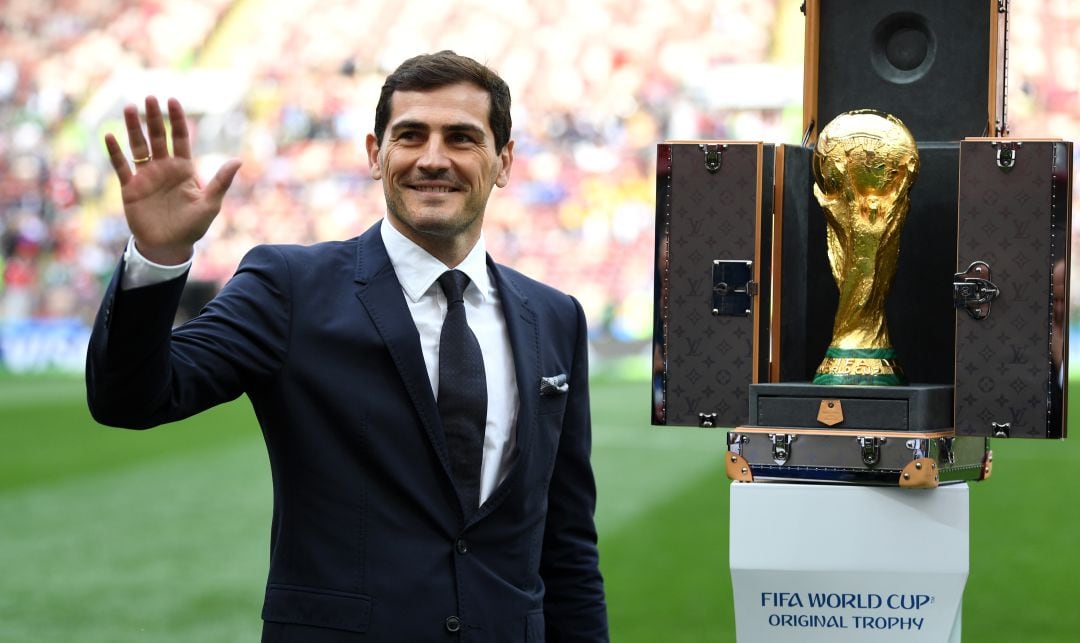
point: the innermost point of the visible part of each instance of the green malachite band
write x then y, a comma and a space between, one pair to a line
861, 353
864, 380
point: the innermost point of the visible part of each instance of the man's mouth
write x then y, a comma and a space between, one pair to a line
434, 189
431, 185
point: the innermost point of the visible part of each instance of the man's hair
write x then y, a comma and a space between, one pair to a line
433, 71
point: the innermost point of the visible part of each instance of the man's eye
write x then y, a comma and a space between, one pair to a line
409, 136
460, 138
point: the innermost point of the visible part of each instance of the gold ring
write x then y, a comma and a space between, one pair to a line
145, 159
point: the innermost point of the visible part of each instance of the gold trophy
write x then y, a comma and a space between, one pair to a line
864, 166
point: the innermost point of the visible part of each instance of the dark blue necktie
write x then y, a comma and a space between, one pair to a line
462, 391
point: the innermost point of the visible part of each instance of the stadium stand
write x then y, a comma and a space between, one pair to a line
289, 86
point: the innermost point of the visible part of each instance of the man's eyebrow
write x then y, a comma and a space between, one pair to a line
468, 128
405, 125
453, 127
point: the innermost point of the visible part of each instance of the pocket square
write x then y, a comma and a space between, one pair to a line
554, 385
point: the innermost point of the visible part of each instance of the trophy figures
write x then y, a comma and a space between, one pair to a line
864, 166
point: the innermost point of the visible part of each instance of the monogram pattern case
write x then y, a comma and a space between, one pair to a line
1011, 287
709, 308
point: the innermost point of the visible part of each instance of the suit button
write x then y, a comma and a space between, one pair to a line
462, 546
453, 624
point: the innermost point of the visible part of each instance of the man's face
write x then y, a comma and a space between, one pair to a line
438, 163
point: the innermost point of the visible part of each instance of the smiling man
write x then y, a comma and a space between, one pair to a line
425, 409
438, 163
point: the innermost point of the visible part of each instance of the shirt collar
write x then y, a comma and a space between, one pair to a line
417, 270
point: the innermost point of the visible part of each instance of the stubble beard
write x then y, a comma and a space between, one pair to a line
438, 227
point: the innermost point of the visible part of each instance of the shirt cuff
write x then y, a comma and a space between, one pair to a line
140, 271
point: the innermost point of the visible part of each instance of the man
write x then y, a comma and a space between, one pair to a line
427, 485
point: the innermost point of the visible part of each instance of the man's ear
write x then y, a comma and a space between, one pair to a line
506, 158
374, 168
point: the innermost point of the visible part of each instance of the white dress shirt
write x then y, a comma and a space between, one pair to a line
140, 271
418, 271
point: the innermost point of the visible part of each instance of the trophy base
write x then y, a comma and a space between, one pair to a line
920, 407
900, 436
860, 366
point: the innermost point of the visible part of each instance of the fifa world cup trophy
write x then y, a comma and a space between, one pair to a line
864, 166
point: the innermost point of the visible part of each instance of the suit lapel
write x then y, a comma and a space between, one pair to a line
522, 328
379, 290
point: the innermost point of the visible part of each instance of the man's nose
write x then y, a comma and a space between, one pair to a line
434, 155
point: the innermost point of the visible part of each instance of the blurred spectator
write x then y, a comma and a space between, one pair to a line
597, 85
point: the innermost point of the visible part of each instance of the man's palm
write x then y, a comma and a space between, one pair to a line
166, 207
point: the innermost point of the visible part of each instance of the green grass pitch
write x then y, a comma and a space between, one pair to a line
162, 536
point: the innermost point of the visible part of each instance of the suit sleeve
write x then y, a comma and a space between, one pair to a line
574, 605
141, 372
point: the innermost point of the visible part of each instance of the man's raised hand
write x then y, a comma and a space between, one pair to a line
166, 207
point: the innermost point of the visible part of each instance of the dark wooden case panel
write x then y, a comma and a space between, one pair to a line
1011, 365
704, 362
904, 58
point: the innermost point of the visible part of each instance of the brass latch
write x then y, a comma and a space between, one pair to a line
732, 286
1006, 153
871, 449
714, 155
781, 446
973, 291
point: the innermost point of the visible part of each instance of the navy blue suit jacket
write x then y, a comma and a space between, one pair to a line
369, 541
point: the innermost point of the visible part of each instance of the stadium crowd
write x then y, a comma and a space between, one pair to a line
596, 85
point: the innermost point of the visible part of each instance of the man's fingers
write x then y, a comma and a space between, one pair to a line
155, 126
216, 188
180, 138
136, 141
117, 159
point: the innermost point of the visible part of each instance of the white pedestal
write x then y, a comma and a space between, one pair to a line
834, 564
